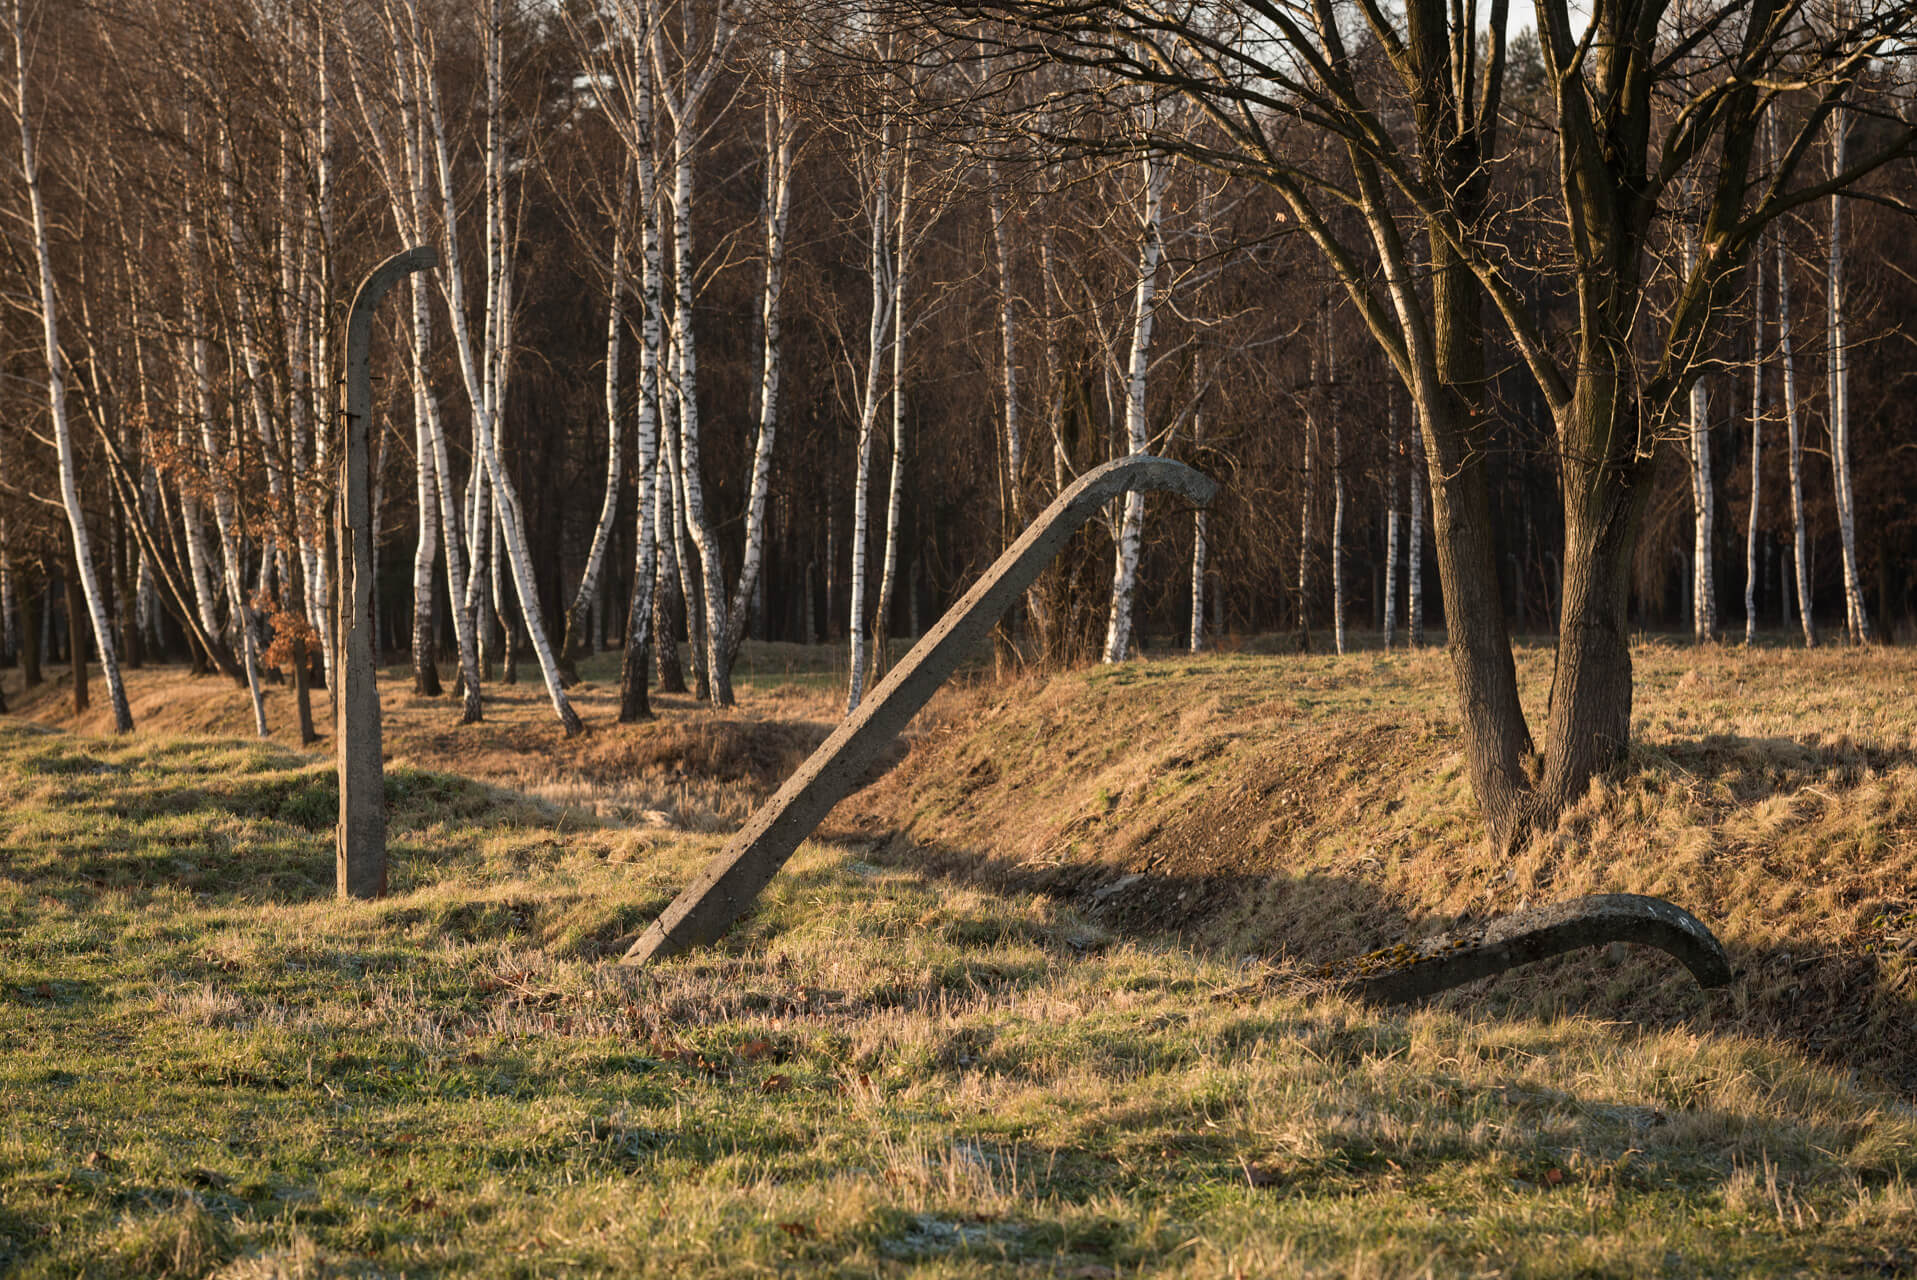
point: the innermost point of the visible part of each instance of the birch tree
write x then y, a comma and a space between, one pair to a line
485, 368
57, 395
1757, 443
1196, 642
781, 133
1800, 534
1837, 348
573, 644
683, 78
1405, 219
1394, 479
1703, 494
1156, 170
902, 236
878, 328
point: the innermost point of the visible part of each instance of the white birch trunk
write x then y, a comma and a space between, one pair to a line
57, 400
1800, 534
684, 107
633, 675
426, 495
1757, 443
1856, 616
1337, 538
880, 215
570, 645
1703, 496
1014, 500
1304, 510
1393, 477
691, 479
1118, 626
1332, 408
1198, 549
485, 371
888, 573
1414, 543
780, 129
683, 553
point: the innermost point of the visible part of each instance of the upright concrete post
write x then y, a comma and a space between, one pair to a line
362, 773
738, 873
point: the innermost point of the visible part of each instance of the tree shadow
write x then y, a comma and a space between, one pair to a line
1849, 1008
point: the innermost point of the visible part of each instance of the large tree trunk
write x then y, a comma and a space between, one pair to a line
1590, 720
642, 608
1496, 740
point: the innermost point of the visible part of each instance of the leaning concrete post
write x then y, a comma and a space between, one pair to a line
362, 775
1406, 972
750, 859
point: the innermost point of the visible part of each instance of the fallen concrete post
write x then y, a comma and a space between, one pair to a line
1407, 972
361, 863
735, 877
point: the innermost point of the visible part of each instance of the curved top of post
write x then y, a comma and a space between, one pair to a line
384, 276
1141, 471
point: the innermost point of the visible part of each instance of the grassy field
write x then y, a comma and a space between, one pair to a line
944, 1045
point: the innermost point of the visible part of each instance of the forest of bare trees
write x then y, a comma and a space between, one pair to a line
779, 320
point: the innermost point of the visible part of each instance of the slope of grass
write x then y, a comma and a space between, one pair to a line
1311, 808
211, 1067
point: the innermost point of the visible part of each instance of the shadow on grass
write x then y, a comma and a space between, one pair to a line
1850, 1005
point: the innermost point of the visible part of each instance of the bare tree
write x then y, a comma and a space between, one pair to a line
1424, 258
48, 304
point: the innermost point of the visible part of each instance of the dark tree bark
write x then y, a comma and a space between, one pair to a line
76, 636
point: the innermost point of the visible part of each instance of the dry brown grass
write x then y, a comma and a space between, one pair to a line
689, 767
212, 1067
1303, 808
1311, 808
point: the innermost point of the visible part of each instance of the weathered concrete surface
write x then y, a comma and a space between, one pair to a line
1409, 972
730, 882
361, 863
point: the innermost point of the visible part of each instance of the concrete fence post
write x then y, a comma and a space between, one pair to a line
362, 774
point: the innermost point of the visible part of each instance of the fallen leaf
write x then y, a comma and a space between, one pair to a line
753, 1050
776, 1084
797, 1230
1553, 1176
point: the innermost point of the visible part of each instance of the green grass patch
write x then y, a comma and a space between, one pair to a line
211, 1067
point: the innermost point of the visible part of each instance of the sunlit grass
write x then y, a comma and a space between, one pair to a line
212, 1067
